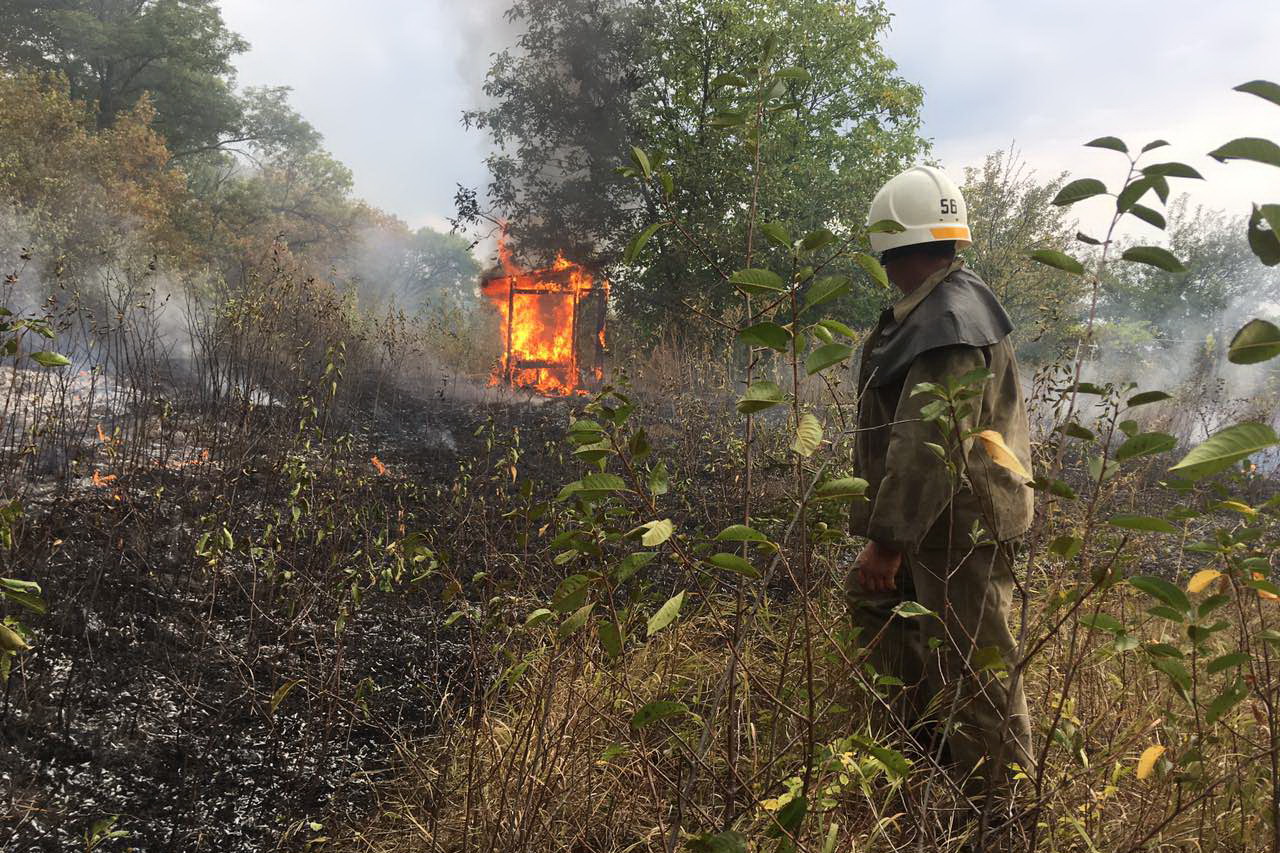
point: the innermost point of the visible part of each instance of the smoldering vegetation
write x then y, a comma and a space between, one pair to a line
288, 568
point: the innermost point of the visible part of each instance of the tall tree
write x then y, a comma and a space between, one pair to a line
1221, 285
1010, 215
113, 51
589, 78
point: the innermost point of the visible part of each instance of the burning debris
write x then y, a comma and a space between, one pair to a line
553, 325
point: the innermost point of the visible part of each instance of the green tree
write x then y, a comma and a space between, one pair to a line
416, 269
590, 77
1222, 282
1010, 215
114, 51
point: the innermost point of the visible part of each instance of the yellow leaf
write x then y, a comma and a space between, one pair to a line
993, 443
1147, 762
1236, 506
1202, 579
11, 640
1262, 593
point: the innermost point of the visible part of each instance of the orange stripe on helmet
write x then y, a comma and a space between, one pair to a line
950, 232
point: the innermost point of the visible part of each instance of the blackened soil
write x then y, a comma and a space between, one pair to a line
148, 695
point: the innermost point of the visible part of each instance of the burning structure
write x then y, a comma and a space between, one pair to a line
552, 325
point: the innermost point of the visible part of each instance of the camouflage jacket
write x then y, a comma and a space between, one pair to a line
947, 327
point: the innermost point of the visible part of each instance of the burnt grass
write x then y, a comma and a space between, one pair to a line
158, 686
148, 693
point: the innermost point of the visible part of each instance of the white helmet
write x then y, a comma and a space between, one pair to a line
927, 204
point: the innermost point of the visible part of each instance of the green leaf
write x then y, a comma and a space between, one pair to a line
642, 161
1177, 674
766, 334
1066, 546
1264, 89
872, 268
1161, 589
610, 637
1154, 256
734, 563
1145, 444
908, 609
1054, 487
656, 532
756, 281
1172, 170
1258, 340
896, 765
537, 617
1058, 260
593, 486
734, 80
1163, 650
571, 594
760, 395
1226, 700
1248, 148
665, 614
729, 118
45, 358
838, 328
841, 488
1148, 216
1134, 191
885, 226
722, 842
1224, 448
1227, 661
740, 533
1264, 241
808, 435
816, 239
825, 356
282, 692
825, 289
1153, 145
634, 247
1075, 430
659, 709
793, 73
1145, 523
1079, 190
777, 234
1111, 142
573, 624
26, 593
658, 480
789, 817
631, 564
1102, 622
1148, 397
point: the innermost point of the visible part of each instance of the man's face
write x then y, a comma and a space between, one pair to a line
895, 267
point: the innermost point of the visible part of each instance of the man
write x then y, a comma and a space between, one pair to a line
944, 537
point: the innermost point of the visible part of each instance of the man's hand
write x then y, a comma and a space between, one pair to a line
877, 567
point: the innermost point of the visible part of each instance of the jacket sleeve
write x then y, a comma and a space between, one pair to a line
917, 488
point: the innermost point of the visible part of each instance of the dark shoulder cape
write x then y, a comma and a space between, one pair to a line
961, 310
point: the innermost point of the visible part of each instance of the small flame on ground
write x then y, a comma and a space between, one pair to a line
379, 467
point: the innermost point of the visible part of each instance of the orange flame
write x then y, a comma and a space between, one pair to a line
99, 481
378, 466
538, 347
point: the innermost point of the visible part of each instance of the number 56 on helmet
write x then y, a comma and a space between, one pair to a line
926, 203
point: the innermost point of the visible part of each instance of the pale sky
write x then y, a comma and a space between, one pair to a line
386, 80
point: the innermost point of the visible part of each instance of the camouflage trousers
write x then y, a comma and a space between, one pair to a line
952, 663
